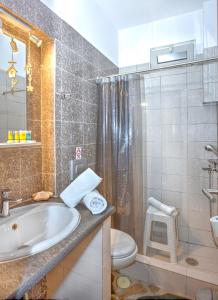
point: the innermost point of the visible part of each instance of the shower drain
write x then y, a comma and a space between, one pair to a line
191, 261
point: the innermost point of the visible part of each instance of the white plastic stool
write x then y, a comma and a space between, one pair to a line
154, 215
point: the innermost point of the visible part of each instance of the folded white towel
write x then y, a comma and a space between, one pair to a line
95, 202
169, 210
81, 186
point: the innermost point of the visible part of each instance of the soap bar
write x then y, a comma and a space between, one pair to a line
40, 196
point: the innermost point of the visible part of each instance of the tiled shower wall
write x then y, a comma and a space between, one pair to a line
78, 64
177, 126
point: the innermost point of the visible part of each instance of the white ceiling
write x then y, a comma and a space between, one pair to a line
128, 13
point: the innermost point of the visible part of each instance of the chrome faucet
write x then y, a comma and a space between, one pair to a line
6, 200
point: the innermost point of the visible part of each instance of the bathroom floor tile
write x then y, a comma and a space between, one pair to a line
205, 257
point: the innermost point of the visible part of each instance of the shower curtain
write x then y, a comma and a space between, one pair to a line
119, 151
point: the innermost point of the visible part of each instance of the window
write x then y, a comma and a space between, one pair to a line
172, 54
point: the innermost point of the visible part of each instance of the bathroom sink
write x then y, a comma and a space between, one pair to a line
34, 228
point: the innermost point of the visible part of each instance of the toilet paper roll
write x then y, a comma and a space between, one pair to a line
95, 202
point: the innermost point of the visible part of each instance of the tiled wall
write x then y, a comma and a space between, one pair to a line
177, 126
47, 116
34, 99
20, 171
78, 64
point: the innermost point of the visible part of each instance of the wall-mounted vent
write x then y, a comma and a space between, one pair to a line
172, 54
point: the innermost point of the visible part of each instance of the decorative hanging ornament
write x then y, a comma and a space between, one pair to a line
29, 70
12, 73
13, 44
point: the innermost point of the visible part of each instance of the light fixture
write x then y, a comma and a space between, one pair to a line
35, 40
13, 44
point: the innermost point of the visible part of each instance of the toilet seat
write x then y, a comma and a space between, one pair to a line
123, 249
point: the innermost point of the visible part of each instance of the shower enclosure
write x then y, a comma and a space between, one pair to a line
177, 126
175, 117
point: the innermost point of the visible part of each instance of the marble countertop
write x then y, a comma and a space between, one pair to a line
17, 277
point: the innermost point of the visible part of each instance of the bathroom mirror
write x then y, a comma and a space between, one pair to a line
12, 98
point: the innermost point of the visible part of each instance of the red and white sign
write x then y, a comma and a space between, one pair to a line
78, 152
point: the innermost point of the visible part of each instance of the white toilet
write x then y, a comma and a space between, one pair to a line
123, 249
214, 225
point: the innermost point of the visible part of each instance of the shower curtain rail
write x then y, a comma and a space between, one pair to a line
191, 63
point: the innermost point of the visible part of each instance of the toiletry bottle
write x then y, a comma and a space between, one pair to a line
16, 136
28, 135
22, 135
10, 136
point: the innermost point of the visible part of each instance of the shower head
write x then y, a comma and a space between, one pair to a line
212, 149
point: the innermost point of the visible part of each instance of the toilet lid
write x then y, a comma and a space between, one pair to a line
122, 244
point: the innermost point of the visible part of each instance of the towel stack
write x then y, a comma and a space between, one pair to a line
83, 188
168, 210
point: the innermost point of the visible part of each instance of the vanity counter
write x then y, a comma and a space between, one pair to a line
17, 277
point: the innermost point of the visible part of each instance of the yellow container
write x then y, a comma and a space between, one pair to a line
22, 136
10, 136
16, 136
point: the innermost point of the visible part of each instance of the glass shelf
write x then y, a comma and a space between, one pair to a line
19, 145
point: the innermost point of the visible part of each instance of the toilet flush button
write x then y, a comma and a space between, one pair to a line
78, 152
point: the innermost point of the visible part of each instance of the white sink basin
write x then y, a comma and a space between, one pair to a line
34, 228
